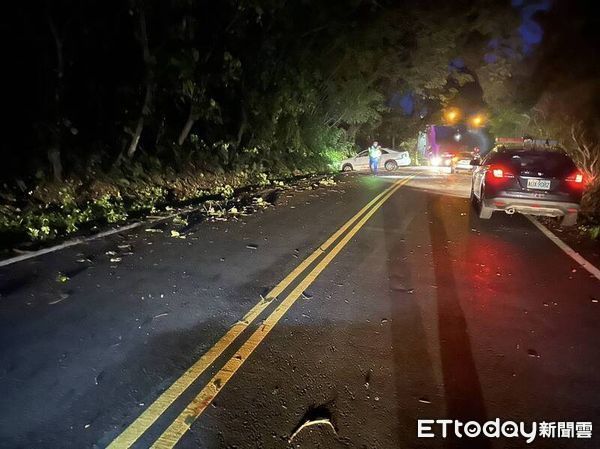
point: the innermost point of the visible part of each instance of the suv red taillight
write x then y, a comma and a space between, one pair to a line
497, 172
576, 179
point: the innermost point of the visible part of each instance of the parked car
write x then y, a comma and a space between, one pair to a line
390, 160
462, 162
532, 182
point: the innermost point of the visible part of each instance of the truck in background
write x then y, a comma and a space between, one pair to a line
438, 144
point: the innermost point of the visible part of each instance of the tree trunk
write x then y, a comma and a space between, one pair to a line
135, 138
352, 130
187, 127
54, 149
143, 38
54, 158
160, 132
243, 126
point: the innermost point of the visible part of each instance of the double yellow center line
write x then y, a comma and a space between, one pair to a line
176, 430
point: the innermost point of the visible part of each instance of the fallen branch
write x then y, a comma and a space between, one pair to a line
314, 422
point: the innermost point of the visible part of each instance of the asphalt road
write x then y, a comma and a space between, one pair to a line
414, 310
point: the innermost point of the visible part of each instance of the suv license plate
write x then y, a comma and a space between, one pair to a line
540, 184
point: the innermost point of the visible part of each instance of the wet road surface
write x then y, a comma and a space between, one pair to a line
414, 310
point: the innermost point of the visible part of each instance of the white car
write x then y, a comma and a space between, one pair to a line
462, 162
390, 160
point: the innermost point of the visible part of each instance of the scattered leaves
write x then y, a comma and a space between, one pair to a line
327, 182
180, 220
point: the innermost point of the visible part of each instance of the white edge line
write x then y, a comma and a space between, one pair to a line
566, 248
100, 235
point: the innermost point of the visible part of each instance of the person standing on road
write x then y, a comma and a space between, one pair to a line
374, 156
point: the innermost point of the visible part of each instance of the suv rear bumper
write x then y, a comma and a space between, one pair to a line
532, 206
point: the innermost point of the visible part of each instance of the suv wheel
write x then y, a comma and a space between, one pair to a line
485, 213
474, 200
482, 210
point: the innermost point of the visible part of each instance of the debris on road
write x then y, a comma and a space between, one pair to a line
176, 234
315, 416
315, 422
327, 182
267, 299
99, 378
63, 296
180, 220
260, 202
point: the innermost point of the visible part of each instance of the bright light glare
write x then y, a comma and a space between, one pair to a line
436, 161
452, 115
477, 121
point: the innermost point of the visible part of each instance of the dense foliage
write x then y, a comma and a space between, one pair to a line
234, 84
117, 106
553, 92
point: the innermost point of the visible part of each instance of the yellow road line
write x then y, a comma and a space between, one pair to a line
135, 430
182, 423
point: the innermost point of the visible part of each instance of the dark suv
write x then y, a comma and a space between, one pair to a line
535, 182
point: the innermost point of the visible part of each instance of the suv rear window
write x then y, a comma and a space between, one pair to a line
550, 163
